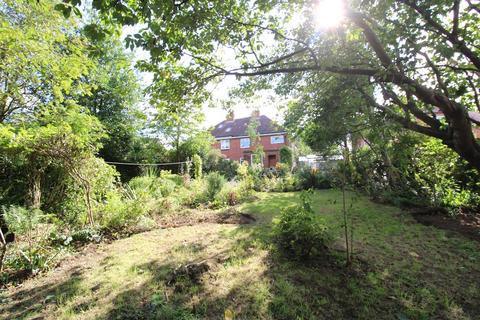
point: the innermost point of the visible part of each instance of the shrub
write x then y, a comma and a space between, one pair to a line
192, 195
175, 178
215, 182
282, 169
437, 166
122, 209
216, 162
147, 186
307, 178
197, 166
245, 177
154, 186
32, 254
300, 231
228, 195
86, 235
286, 157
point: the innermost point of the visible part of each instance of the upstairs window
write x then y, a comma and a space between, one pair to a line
277, 139
245, 143
224, 144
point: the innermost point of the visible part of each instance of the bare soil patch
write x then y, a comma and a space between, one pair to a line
193, 217
466, 224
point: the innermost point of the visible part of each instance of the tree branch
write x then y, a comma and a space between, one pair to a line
372, 39
456, 9
452, 38
436, 133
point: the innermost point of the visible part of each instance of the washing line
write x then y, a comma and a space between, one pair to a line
145, 164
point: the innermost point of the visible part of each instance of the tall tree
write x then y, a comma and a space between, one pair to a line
420, 55
114, 98
175, 124
41, 58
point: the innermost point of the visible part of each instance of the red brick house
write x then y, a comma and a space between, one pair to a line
234, 143
474, 118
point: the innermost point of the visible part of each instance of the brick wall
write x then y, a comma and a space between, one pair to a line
272, 151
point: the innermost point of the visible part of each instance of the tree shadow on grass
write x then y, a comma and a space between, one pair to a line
33, 300
150, 300
320, 288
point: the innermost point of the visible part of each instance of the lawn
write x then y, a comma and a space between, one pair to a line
402, 270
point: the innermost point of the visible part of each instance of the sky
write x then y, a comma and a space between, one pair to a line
267, 102
328, 13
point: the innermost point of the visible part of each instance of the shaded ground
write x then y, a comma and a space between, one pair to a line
403, 270
467, 225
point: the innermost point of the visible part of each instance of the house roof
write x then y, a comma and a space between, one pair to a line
473, 115
238, 127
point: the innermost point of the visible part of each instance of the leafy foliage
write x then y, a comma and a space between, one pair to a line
215, 182
197, 166
42, 59
439, 179
419, 60
33, 254
286, 156
300, 232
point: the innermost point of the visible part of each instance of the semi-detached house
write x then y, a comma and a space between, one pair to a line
233, 141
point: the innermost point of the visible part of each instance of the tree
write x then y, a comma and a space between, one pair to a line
255, 141
41, 58
423, 58
62, 137
199, 143
175, 124
114, 98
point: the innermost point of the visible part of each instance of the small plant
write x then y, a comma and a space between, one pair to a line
215, 182
32, 254
300, 232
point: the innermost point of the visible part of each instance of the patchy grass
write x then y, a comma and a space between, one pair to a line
402, 270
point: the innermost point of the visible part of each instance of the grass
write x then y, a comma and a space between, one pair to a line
402, 270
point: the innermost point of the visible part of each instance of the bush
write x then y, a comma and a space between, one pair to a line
33, 253
175, 178
155, 186
282, 169
122, 209
216, 162
197, 166
228, 196
147, 186
300, 233
286, 157
307, 178
192, 195
215, 182
86, 235
437, 174
233, 193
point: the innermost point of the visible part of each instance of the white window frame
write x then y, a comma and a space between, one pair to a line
274, 141
225, 144
244, 139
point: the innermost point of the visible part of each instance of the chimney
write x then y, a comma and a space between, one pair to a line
230, 115
256, 113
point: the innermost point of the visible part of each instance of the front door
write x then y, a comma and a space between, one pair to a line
272, 160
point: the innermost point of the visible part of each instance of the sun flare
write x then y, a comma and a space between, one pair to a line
329, 13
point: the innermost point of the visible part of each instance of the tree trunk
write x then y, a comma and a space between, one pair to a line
88, 201
463, 140
35, 189
3, 249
